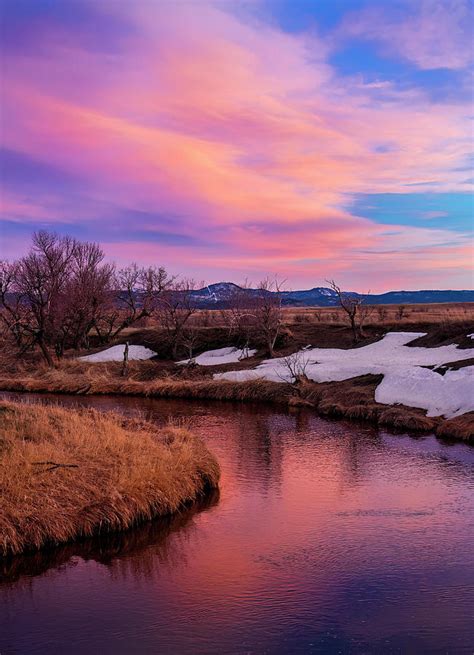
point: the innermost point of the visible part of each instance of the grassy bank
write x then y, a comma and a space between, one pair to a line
352, 399
162, 378
68, 474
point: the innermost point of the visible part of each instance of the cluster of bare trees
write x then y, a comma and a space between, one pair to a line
255, 315
62, 292
53, 296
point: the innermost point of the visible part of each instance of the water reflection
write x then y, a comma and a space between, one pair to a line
152, 540
327, 537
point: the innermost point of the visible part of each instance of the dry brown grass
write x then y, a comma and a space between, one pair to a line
401, 419
68, 474
325, 327
460, 427
352, 399
434, 313
387, 315
103, 379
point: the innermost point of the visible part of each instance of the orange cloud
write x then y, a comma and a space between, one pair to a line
233, 126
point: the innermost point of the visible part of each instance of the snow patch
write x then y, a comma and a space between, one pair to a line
470, 336
229, 355
115, 354
450, 394
405, 381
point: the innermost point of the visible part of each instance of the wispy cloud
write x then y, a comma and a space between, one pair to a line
430, 33
240, 131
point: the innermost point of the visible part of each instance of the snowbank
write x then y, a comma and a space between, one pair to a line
115, 354
450, 394
404, 379
229, 355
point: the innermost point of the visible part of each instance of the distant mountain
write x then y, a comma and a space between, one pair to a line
220, 295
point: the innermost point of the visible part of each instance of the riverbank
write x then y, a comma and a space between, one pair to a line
351, 399
70, 474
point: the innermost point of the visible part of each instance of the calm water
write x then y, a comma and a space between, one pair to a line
326, 537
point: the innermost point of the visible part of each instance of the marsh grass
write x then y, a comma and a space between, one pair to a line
350, 399
66, 474
461, 427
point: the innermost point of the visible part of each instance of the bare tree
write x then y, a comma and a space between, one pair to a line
268, 312
190, 338
241, 317
295, 365
175, 308
11, 302
139, 293
87, 292
401, 312
355, 309
38, 281
256, 315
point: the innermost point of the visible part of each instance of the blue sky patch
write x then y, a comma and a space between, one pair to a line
453, 211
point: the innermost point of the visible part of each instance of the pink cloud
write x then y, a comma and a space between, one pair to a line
233, 125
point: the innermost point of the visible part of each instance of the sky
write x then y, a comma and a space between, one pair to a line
231, 140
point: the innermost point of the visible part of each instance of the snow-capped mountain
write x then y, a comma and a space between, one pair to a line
221, 295
216, 293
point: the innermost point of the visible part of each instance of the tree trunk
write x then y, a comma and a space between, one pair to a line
354, 329
125, 360
176, 342
46, 354
271, 352
174, 350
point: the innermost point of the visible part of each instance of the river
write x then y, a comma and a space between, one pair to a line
326, 537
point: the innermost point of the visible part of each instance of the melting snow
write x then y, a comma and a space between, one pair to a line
405, 381
115, 354
450, 394
471, 336
229, 355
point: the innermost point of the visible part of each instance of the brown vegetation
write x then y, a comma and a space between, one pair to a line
68, 474
353, 399
322, 327
205, 330
409, 317
461, 427
63, 297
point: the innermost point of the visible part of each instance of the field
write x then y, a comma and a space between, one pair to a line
382, 315
325, 328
